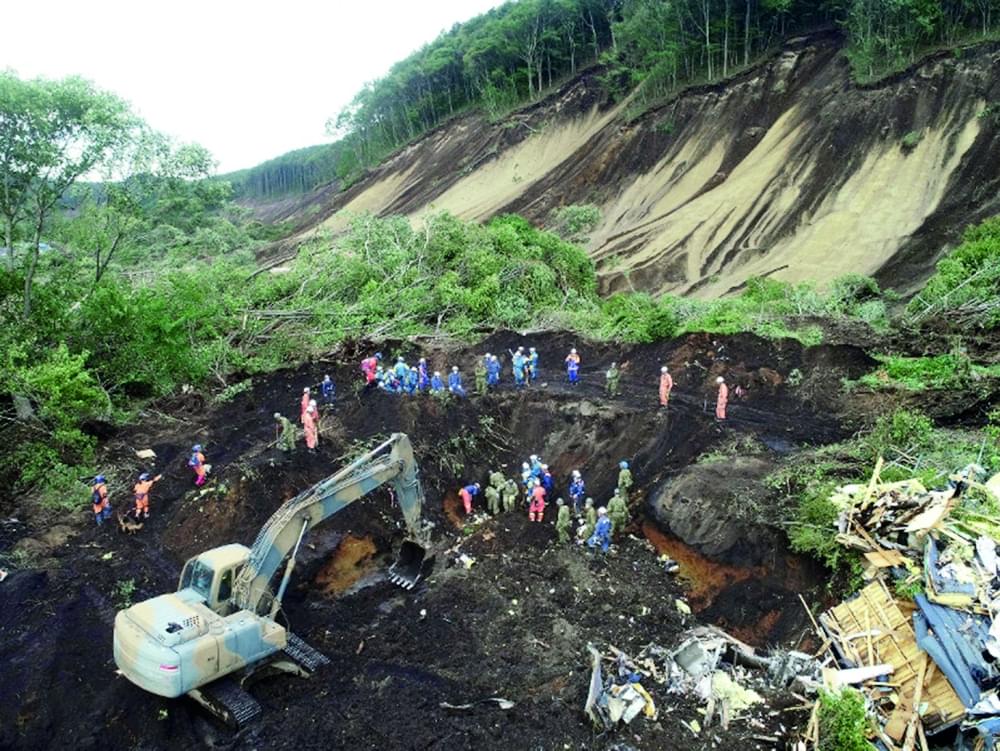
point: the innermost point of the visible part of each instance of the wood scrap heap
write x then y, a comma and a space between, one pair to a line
922, 640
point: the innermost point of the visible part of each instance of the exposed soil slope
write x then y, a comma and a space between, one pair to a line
788, 169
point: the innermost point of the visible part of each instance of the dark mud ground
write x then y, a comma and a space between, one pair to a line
514, 625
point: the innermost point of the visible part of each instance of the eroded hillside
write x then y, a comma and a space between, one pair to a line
787, 170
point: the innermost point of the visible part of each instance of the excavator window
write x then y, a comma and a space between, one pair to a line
196, 574
226, 585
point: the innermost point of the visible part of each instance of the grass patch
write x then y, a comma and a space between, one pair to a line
922, 373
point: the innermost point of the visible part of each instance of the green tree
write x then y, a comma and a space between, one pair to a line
62, 130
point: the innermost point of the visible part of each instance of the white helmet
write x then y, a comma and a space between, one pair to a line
305, 390
663, 369
525, 465
573, 351
720, 379
576, 473
602, 511
454, 368
437, 372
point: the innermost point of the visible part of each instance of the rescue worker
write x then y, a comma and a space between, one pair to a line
509, 495
311, 427
624, 479
493, 499
722, 399
402, 370
437, 385
532, 364
493, 371
589, 519
546, 477
328, 389
577, 489
536, 509
618, 512
536, 465
612, 377
666, 384
455, 382
412, 383
99, 499
602, 531
563, 522
526, 476
369, 366
573, 367
518, 363
467, 494
304, 404
480, 373
286, 442
423, 380
197, 464
141, 490
497, 479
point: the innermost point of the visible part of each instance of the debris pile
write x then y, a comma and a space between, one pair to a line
922, 639
707, 664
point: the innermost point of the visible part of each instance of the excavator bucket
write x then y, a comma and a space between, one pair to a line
412, 565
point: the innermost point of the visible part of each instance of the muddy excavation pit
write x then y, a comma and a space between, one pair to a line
514, 625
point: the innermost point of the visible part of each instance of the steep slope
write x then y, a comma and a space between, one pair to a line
787, 170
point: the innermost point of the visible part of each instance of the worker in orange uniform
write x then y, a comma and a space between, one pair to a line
99, 499
722, 399
666, 384
142, 494
310, 423
197, 464
536, 509
304, 404
467, 494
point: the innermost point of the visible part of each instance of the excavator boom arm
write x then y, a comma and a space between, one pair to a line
391, 462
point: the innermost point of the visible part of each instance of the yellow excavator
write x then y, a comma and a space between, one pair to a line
219, 628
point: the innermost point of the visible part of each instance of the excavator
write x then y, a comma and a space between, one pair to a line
221, 625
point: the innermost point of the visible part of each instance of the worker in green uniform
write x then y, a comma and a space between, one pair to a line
497, 479
286, 441
492, 499
509, 495
590, 520
612, 377
624, 479
562, 521
618, 512
480, 373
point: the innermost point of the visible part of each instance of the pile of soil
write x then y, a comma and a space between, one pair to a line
515, 624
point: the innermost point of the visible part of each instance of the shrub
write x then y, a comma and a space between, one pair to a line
843, 722
575, 222
903, 430
813, 531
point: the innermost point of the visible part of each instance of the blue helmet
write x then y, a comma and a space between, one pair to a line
196, 447
623, 464
378, 355
98, 480
143, 477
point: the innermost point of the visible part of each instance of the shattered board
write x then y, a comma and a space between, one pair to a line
871, 629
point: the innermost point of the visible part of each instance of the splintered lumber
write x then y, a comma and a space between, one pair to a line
885, 558
893, 643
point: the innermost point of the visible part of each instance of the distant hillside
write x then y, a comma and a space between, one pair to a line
789, 169
293, 173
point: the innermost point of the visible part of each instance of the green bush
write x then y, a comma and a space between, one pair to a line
968, 277
813, 531
843, 721
903, 430
575, 222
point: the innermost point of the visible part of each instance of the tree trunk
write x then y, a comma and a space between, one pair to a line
8, 236
725, 42
746, 36
30, 275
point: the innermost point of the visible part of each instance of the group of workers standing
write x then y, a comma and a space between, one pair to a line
139, 510
595, 526
402, 378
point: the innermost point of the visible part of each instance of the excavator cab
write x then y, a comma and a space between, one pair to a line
413, 563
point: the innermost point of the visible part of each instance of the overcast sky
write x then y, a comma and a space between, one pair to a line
249, 80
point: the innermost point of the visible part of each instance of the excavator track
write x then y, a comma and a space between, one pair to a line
304, 655
227, 700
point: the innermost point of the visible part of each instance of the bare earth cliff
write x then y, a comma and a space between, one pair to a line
789, 170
